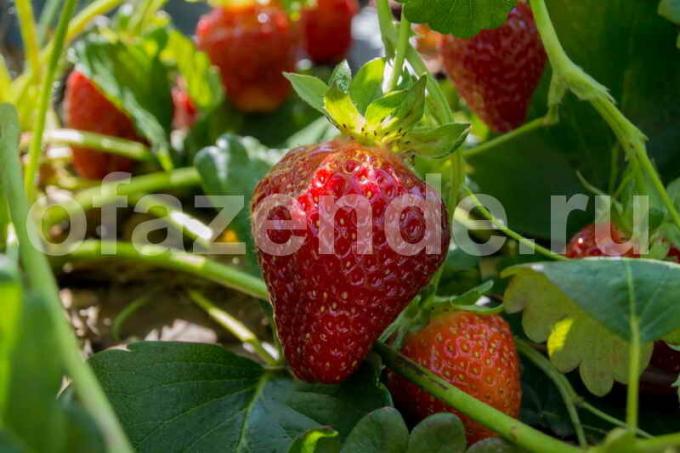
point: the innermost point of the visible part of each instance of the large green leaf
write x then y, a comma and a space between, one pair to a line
179, 396
642, 82
462, 18
438, 433
381, 431
10, 307
133, 77
34, 417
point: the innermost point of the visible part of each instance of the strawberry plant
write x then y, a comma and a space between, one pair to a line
220, 243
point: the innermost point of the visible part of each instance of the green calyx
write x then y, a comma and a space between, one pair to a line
398, 120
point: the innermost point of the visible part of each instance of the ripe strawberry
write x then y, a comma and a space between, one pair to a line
428, 41
86, 109
185, 111
497, 71
327, 29
584, 244
252, 45
331, 307
475, 353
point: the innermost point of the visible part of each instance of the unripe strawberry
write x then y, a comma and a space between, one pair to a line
87, 109
333, 297
477, 354
252, 45
497, 71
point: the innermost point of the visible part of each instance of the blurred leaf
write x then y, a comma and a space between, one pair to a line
670, 9
275, 128
134, 79
203, 81
180, 396
381, 431
461, 18
234, 166
438, 433
5, 81
550, 315
10, 307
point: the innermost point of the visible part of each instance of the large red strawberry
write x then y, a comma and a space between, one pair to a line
252, 45
475, 353
592, 241
86, 109
327, 29
497, 71
331, 307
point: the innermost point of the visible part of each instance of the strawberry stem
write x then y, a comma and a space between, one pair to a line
104, 143
44, 99
400, 55
97, 196
175, 260
632, 140
489, 145
29, 34
234, 327
508, 427
42, 283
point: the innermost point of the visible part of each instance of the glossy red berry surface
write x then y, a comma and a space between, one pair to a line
331, 307
86, 109
591, 241
475, 353
497, 71
327, 29
252, 45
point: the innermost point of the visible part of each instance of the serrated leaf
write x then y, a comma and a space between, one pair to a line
10, 307
233, 167
549, 315
462, 18
366, 86
180, 396
435, 142
438, 433
203, 81
310, 89
134, 79
397, 111
381, 431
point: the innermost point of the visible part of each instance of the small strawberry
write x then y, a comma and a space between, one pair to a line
586, 244
475, 353
331, 307
327, 29
185, 111
497, 71
252, 45
86, 109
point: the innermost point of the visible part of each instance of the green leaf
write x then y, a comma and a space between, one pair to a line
461, 18
34, 416
494, 445
550, 315
180, 396
203, 81
311, 440
233, 167
670, 9
341, 111
435, 142
396, 112
5, 81
10, 307
367, 84
134, 79
381, 431
438, 433
311, 89
341, 78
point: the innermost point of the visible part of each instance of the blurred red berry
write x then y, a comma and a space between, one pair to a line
327, 28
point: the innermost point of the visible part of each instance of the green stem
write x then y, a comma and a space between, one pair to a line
510, 233
234, 327
29, 34
586, 406
42, 282
126, 313
97, 196
632, 140
400, 55
387, 31
44, 99
104, 143
527, 128
172, 260
569, 396
659, 443
508, 427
